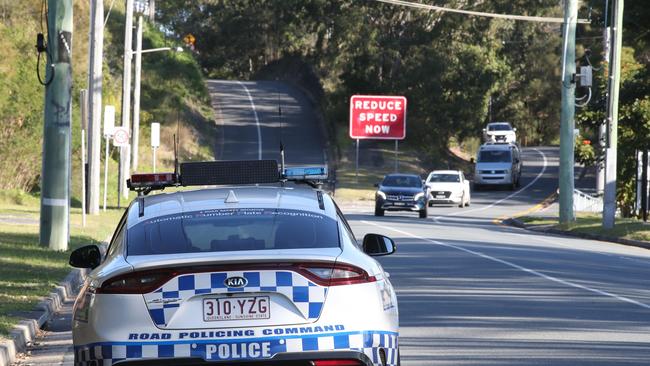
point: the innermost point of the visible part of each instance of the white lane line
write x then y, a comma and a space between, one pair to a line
516, 266
537, 177
257, 121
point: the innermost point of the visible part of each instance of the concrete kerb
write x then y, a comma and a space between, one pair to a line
546, 229
25, 332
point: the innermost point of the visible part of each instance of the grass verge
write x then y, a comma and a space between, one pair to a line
28, 271
625, 228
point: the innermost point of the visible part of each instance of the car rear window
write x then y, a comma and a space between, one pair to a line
227, 230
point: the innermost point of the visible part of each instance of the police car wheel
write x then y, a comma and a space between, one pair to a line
423, 213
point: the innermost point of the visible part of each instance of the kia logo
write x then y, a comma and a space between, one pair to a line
235, 282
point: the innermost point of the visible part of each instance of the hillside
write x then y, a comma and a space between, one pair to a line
173, 93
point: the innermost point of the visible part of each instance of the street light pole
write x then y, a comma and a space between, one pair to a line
125, 158
95, 77
609, 198
136, 93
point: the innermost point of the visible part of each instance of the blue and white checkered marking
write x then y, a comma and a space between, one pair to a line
306, 295
371, 343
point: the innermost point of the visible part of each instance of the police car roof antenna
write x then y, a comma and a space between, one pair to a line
282, 179
176, 176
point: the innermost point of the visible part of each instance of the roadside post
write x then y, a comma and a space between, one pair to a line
83, 103
121, 138
54, 228
155, 141
109, 125
378, 117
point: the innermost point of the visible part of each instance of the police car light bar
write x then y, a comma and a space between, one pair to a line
306, 173
229, 172
152, 181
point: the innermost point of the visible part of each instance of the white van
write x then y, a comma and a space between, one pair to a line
497, 164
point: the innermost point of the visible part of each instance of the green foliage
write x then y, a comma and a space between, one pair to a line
173, 91
448, 66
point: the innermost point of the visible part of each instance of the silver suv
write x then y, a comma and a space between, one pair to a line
497, 164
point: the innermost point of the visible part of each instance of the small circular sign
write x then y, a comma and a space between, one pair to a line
120, 136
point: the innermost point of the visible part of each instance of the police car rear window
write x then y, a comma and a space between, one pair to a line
226, 230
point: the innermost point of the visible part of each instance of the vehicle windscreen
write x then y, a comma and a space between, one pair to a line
499, 127
495, 156
444, 178
402, 181
226, 230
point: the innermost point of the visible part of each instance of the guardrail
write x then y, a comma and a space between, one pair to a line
586, 203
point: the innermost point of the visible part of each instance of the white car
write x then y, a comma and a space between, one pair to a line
254, 274
448, 187
500, 132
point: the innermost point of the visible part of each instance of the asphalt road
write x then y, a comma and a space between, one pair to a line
472, 292
251, 127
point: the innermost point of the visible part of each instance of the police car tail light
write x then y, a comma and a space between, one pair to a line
339, 274
337, 363
140, 282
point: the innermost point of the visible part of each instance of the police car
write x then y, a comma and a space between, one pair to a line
261, 270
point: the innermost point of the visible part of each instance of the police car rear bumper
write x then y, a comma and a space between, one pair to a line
287, 359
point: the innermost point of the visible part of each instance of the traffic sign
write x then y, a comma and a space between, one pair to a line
378, 117
109, 120
120, 136
155, 134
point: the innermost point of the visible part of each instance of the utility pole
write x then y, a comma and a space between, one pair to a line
609, 207
136, 93
152, 11
125, 158
95, 78
55, 177
567, 122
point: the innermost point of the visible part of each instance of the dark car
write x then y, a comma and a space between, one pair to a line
401, 192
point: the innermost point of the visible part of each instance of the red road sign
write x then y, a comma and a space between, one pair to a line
377, 117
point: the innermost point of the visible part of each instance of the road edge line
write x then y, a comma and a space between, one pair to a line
257, 121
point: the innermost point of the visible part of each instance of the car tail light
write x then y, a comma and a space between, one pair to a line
336, 275
337, 363
136, 282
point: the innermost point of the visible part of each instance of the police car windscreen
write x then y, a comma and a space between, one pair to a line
495, 156
225, 230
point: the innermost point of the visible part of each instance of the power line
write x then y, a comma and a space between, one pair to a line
479, 13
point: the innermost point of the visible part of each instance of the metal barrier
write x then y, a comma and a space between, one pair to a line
586, 203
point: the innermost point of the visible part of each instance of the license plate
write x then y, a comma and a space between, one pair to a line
236, 308
440, 196
400, 204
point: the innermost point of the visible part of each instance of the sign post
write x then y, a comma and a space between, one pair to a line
377, 117
109, 125
155, 141
84, 115
121, 140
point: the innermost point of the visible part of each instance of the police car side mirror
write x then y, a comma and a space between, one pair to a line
88, 256
377, 245
514, 129
472, 160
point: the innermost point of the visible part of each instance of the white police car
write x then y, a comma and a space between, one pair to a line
241, 275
